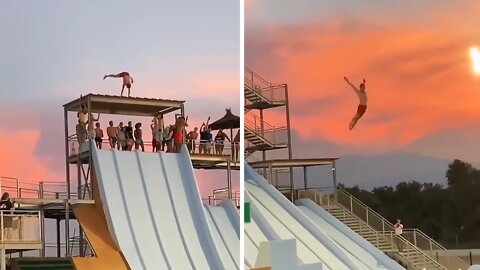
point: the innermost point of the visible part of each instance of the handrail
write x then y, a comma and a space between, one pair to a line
410, 246
270, 129
260, 86
433, 245
367, 207
260, 78
424, 235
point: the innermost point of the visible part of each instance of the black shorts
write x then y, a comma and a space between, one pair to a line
98, 139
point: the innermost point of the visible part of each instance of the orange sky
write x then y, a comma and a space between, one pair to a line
419, 73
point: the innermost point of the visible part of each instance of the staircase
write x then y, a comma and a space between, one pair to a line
260, 94
379, 232
42, 264
260, 135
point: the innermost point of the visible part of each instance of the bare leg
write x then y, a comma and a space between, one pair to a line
123, 87
112, 76
128, 91
354, 121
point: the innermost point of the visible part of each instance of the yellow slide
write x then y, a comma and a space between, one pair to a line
95, 227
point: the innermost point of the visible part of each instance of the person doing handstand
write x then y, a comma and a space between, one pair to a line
362, 106
127, 80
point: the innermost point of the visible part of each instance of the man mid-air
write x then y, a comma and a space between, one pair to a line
362, 107
127, 80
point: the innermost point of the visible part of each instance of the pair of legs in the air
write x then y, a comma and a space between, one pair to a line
360, 112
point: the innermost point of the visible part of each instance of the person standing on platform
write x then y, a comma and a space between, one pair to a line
112, 134
127, 80
98, 136
179, 132
236, 142
122, 139
138, 134
204, 139
192, 136
398, 232
219, 142
158, 131
129, 136
81, 129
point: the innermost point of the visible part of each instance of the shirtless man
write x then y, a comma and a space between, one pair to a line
192, 136
83, 120
362, 107
127, 80
180, 125
112, 134
98, 135
82, 126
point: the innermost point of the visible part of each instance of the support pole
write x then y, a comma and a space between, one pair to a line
289, 137
334, 173
67, 228
292, 191
67, 168
305, 183
270, 173
3, 258
42, 221
58, 239
229, 177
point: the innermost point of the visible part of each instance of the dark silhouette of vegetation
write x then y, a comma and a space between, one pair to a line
445, 213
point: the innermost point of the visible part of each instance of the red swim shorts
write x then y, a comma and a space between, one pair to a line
178, 136
361, 109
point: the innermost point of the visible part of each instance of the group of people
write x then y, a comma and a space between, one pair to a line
207, 142
164, 138
169, 138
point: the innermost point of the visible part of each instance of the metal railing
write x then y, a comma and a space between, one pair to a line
273, 92
413, 254
195, 146
34, 190
20, 227
216, 198
379, 223
271, 134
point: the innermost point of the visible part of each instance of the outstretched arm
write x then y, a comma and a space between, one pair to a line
353, 86
208, 120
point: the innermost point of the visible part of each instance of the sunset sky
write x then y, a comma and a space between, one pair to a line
52, 52
415, 55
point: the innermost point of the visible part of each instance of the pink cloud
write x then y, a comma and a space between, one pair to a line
419, 80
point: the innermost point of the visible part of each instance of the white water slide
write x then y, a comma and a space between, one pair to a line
155, 213
320, 238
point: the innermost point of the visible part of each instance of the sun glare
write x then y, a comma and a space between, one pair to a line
475, 53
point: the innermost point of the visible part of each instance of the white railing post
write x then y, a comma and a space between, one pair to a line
366, 215
351, 204
415, 237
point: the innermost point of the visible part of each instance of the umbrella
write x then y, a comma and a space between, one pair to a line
228, 121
